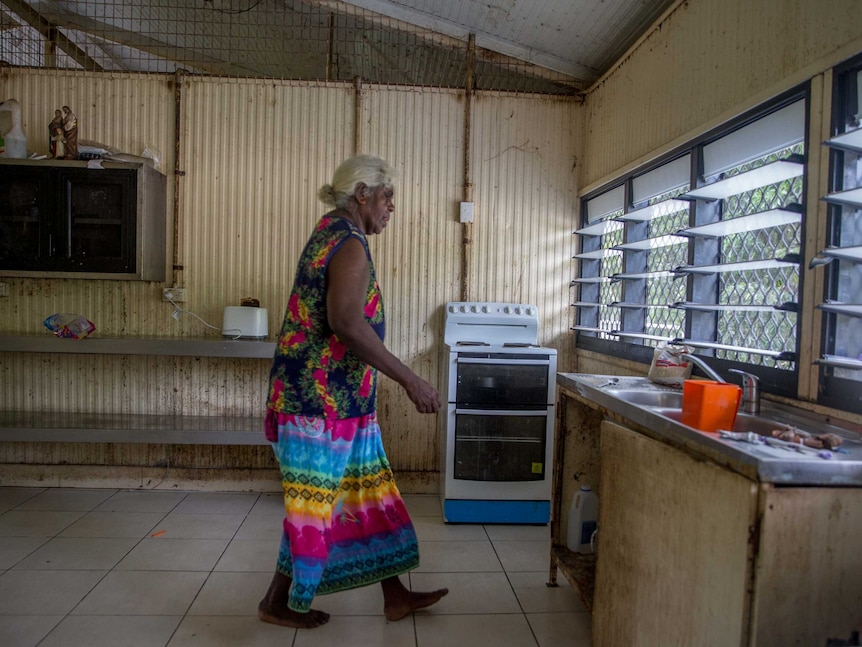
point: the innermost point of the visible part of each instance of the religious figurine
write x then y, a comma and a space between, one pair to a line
55, 135
70, 131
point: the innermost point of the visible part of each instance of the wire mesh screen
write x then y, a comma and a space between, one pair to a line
773, 330
285, 39
665, 289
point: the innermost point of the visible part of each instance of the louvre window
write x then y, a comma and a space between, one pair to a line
703, 248
841, 362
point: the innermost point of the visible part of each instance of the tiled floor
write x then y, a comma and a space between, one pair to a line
119, 568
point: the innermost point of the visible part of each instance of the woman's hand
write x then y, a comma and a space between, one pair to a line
423, 395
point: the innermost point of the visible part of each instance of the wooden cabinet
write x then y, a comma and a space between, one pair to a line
60, 217
693, 553
675, 547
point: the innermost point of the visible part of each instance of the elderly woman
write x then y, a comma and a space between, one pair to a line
345, 525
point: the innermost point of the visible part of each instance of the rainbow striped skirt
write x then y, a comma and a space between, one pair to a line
345, 523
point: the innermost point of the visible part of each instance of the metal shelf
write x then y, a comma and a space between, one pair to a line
138, 346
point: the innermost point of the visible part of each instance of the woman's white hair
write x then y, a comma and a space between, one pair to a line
366, 169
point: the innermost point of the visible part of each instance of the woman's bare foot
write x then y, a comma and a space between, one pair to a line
287, 618
399, 602
273, 608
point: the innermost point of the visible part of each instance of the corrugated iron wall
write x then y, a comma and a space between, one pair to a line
253, 154
704, 63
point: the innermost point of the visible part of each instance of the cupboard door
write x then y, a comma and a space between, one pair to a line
26, 227
97, 218
674, 559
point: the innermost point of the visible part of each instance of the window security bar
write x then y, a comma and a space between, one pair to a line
771, 173
634, 276
849, 198
635, 306
656, 210
836, 361
766, 264
785, 356
851, 141
792, 214
847, 309
851, 254
638, 335
598, 254
724, 307
601, 228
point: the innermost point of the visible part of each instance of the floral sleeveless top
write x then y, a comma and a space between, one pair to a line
313, 372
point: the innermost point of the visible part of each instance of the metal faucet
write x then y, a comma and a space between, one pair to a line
703, 366
750, 383
750, 392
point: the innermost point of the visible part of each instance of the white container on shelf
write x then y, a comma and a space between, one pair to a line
583, 520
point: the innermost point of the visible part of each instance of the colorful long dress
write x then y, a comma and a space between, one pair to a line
345, 524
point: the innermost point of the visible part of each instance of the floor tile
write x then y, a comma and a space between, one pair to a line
261, 526
536, 596
142, 593
161, 554
66, 499
434, 529
511, 630
518, 532
14, 549
31, 523
423, 505
177, 525
231, 594
555, 629
269, 503
44, 592
142, 501
114, 524
214, 631
77, 553
11, 497
249, 556
25, 631
471, 593
110, 631
457, 556
359, 631
217, 502
524, 555
364, 601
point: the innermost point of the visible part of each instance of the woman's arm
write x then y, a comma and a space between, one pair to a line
347, 284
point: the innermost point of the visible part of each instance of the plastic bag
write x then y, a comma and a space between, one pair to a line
668, 367
69, 326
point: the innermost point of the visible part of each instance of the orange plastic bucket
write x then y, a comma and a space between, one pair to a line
710, 406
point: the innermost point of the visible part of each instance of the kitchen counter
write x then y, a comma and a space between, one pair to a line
757, 462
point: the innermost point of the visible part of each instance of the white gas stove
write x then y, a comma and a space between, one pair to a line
497, 436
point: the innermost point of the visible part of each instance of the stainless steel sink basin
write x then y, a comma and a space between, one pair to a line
646, 398
744, 422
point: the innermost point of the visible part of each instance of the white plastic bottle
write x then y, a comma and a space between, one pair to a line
583, 520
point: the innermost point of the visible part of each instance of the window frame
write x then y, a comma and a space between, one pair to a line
773, 380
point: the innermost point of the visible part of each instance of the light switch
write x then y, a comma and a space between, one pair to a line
466, 212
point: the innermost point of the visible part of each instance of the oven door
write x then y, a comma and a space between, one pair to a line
500, 445
502, 383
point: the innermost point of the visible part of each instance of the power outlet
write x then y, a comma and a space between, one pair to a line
177, 295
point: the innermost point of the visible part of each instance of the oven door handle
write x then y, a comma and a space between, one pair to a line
502, 412
499, 361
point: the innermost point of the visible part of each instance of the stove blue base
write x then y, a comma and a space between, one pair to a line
475, 511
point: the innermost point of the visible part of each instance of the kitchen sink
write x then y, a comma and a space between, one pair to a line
744, 422
649, 398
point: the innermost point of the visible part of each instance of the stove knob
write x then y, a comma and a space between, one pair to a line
486, 309
517, 311
463, 308
472, 308
506, 309
528, 311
